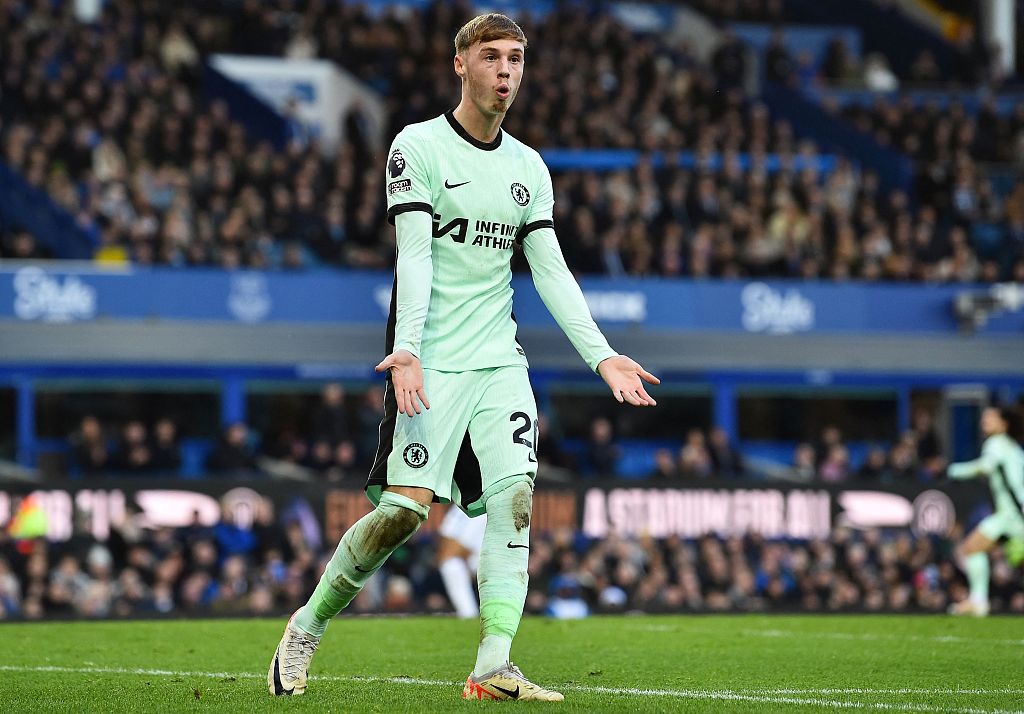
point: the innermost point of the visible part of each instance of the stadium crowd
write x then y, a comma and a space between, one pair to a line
109, 118
271, 566
336, 438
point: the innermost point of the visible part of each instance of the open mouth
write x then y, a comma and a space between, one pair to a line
503, 91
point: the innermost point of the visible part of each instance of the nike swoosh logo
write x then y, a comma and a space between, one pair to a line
278, 687
513, 545
363, 571
514, 694
454, 185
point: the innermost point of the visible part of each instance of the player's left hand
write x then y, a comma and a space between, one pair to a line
625, 378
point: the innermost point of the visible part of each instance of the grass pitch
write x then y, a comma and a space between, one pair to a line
739, 663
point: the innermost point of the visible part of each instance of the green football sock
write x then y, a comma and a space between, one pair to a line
361, 551
976, 567
501, 575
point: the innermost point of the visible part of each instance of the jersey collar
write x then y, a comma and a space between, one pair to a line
461, 131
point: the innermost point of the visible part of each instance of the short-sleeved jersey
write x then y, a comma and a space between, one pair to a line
1002, 460
483, 199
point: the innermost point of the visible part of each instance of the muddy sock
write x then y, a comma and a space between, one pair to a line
361, 551
502, 576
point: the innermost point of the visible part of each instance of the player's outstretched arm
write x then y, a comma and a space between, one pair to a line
625, 377
970, 469
407, 378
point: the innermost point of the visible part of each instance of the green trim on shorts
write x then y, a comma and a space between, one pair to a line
479, 507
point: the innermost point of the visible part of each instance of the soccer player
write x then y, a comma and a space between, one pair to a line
458, 555
1002, 461
461, 420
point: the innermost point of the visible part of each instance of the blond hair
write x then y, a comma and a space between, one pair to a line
487, 28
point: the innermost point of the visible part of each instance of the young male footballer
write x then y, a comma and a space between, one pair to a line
1002, 462
460, 419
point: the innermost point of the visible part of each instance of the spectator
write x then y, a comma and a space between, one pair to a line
21, 245
725, 457
90, 447
165, 449
665, 466
902, 461
804, 467
694, 459
549, 449
232, 537
875, 466
233, 454
839, 67
330, 418
830, 437
602, 451
925, 436
925, 70
836, 466
729, 60
133, 453
778, 63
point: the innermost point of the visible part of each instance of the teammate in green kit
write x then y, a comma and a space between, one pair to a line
460, 419
1002, 461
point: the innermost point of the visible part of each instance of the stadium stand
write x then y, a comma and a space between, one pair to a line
665, 165
267, 568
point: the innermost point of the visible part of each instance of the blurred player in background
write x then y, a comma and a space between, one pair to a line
458, 555
462, 195
1002, 462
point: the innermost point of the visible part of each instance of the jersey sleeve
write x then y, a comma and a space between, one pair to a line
562, 296
410, 209
408, 177
542, 206
414, 272
982, 466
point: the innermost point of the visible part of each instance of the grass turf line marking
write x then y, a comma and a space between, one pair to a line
867, 636
897, 690
765, 697
727, 695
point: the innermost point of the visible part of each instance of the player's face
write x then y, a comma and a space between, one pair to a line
992, 422
493, 72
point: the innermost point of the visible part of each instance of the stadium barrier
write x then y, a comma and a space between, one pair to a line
789, 511
59, 293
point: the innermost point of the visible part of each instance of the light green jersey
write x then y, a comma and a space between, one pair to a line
1002, 460
461, 206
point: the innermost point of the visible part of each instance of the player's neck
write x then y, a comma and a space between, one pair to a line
482, 127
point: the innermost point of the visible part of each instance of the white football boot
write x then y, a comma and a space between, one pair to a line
290, 666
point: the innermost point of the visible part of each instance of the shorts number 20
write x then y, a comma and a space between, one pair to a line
527, 424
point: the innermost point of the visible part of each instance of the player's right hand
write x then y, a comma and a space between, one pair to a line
407, 378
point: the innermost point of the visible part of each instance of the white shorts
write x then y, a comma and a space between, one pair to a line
467, 532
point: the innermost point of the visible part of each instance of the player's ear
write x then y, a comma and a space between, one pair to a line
460, 66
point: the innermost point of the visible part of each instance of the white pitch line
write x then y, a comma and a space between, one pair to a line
894, 690
219, 675
766, 696
868, 637
864, 636
726, 695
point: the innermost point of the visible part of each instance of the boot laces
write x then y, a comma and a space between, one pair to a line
297, 653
